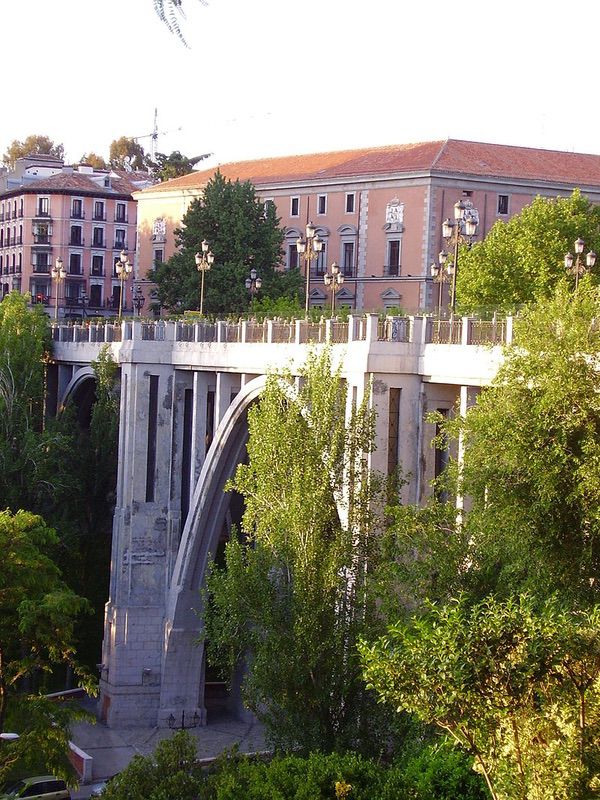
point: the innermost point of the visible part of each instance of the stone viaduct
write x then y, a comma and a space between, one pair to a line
185, 388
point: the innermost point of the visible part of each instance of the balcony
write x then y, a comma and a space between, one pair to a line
77, 214
77, 241
41, 269
99, 217
41, 238
391, 270
120, 245
42, 214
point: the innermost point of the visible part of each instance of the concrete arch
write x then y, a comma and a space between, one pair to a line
81, 390
182, 669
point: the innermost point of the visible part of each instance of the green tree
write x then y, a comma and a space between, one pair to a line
522, 260
37, 618
174, 165
33, 145
530, 472
33, 469
170, 773
295, 593
126, 153
517, 686
242, 233
94, 160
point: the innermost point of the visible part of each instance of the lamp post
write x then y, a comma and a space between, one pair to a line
253, 283
309, 249
138, 300
333, 281
204, 261
460, 231
576, 265
84, 300
58, 273
441, 273
123, 268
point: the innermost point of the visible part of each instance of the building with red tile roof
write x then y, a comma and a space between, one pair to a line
378, 211
82, 216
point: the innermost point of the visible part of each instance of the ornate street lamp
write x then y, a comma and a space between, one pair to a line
576, 265
204, 261
460, 231
58, 273
441, 274
333, 281
84, 300
309, 249
253, 283
123, 269
138, 300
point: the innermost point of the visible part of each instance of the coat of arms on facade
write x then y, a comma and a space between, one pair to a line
394, 216
159, 229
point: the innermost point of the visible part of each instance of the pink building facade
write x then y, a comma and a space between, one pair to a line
80, 215
379, 211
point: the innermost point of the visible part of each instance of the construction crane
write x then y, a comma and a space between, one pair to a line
154, 136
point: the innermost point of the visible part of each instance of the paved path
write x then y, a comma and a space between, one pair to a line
112, 749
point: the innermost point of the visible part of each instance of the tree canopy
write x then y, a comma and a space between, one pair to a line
294, 594
522, 260
37, 619
174, 165
242, 233
94, 160
33, 145
126, 153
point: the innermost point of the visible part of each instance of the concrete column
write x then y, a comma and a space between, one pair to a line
468, 397
142, 539
201, 382
227, 383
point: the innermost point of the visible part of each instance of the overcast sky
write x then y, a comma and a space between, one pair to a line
276, 77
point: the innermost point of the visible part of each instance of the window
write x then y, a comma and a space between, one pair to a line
350, 197
269, 204
15, 209
294, 206
159, 256
21, 207
503, 204
8, 237
321, 263
77, 208
20, 264
120, 239
43, 206
393, 264
99, 209
75, 264
120, 212
98, 266
95, 296
321, 204
348, 259
20, 234
292, 257
76, 237
98, 237
42, 262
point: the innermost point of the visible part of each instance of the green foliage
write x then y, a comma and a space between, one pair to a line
31, 146
174, 165
171, 773
295, 593
37, 618
242, 233
522, 260
94, 160
32, 467
126, 153
516, 685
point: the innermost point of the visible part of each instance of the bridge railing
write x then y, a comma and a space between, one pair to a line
426, 330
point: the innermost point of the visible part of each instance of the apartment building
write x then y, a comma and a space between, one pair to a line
85, 217
378, 211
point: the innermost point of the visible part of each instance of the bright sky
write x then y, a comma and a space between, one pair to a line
277, 77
